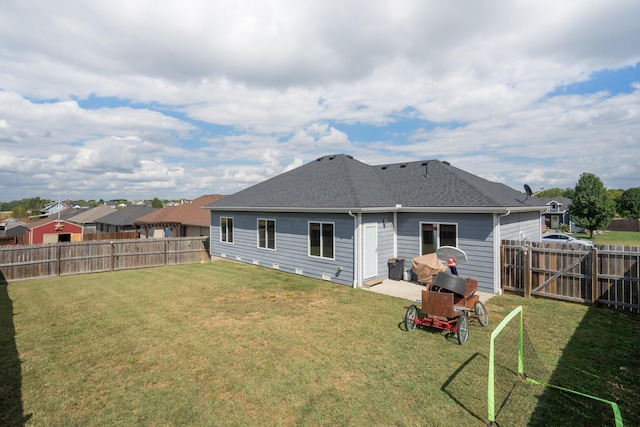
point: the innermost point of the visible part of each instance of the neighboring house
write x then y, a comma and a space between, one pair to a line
13, 227
88, 218
556, 213
52, 230
52, 208
342, 220
116, 204
122, 219
185, 220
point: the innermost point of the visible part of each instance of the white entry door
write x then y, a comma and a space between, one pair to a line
370, 250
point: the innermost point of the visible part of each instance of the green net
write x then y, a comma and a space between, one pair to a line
521, 390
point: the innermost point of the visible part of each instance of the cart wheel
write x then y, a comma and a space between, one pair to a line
463, 328
410, 318
481, 312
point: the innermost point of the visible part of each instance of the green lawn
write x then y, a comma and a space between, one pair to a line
627, 238
234, 344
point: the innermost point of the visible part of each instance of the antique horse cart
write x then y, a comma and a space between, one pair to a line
448, 301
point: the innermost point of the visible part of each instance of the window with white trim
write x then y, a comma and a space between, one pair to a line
435, 235
321, 239
267, 233
226, 229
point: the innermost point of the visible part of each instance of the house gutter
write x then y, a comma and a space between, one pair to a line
352, 210
356, 248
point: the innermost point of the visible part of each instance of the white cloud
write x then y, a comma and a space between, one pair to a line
285, 78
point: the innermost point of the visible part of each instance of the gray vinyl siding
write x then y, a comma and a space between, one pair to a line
521, 226
385, 241
475, 238
291, 251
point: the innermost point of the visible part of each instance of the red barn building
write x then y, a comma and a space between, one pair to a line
51, 230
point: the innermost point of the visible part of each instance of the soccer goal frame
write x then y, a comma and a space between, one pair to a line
491, 374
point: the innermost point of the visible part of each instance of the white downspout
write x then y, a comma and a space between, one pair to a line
496, 250
356, 249
395, 234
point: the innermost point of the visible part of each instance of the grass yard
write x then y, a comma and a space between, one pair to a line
626, 238
234, 344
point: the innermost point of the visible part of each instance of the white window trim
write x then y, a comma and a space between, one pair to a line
437, 224
233, 228
275, 243
321, 246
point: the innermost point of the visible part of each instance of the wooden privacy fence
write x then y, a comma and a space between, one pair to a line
605, 275
60, 259
120, 235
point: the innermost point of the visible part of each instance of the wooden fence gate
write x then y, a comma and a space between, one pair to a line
605, 275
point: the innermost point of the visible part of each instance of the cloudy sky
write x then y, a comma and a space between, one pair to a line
146, 98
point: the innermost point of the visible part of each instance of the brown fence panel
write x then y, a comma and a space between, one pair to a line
624, 225
561, 271
32, 261
619, 276
28, 261
120, 235
88, 257
11, 240
512, 273
130, 254
606, 275
186, 251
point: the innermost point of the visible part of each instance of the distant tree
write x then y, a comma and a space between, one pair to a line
19, 212
614, 195
590, 207
568, 193
34, 204
156, 203
551, 193
628, 203
92, 203
556, 192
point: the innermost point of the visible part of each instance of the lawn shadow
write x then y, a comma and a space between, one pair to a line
602, 359
462, 388
11, 411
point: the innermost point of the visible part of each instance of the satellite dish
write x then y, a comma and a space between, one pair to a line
445, 252
527, 190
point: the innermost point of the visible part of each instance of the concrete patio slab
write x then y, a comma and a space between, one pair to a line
409, 290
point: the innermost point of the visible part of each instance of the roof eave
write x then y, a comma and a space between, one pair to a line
381, 209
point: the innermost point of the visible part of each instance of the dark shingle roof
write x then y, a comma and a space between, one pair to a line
190, 213
339, 181
125, 216
91, 215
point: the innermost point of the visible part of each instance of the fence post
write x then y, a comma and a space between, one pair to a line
165, 252
527, 270
58, 257
113, 255
595, 281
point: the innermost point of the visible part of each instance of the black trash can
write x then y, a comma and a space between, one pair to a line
396, 268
